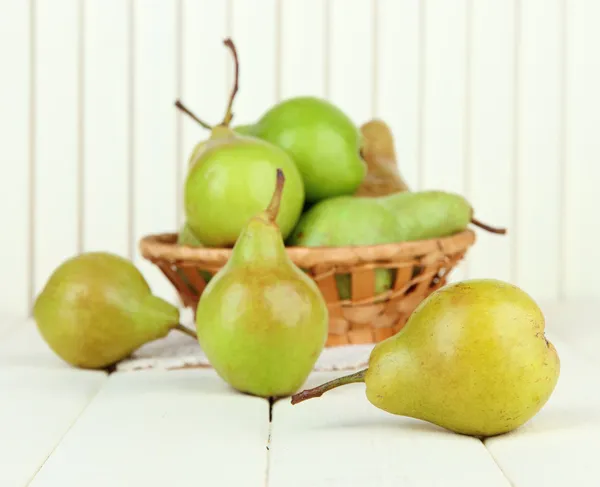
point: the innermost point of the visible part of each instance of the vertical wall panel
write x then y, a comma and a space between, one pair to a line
204, 66
254, 31
350, 57
302, 59
398, 87
539, 148
582, 165
14, 164
442, 166
106, 126
56, 140
155, 184
491, 150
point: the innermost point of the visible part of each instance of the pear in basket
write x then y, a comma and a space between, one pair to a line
96, 309
383, 176
261, 321
232, 178
399, 217
473, 358
322, 140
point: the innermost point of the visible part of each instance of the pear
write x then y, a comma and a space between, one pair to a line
398, 217
383, 176
96, 309
231, 177
322, 140
261, 321
472, 359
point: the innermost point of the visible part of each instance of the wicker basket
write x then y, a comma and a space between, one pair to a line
418, 268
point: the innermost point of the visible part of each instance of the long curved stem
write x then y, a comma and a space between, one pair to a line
188, 112
487, 227
186, 330
229, 114
323, 388
273, 208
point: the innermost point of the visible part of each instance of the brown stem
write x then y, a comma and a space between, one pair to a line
229, 114
185, 110
323, 388
273, 207
186, 330
487, 227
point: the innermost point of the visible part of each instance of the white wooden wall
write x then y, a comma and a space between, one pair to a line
498, 100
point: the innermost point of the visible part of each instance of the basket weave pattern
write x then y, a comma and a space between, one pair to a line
418, 269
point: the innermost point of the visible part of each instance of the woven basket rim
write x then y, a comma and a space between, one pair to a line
163, 246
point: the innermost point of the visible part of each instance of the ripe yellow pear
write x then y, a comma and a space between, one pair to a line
472, 358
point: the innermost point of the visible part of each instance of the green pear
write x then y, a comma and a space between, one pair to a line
261, 321
323, 141
398, 217
96, 309
472, 358
233, 177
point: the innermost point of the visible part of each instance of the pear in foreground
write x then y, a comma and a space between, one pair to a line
472, 358
261, 321
96, 309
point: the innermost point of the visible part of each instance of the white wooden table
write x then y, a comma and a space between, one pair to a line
61, 427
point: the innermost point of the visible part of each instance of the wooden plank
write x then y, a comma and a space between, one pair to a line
56, 135
491, 149
15, 119
558, 446
173, 428
538, 193
398, 75
205, 62
580, 169
37, 407
106, 137
156, 186
302, 57
350, 76
347, 441
23, 346
445, 103
254, 32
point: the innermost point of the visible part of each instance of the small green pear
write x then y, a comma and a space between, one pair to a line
261, 321
231, 178
472, 358
96, 309
323, 141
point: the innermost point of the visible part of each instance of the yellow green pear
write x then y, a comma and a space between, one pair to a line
96, 309
473, 358
261, 321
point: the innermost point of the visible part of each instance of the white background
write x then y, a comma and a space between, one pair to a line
498, 100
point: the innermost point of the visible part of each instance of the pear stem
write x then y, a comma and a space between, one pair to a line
273, 208
487, 227
186, 330
228, 114
323, 388
187, 111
